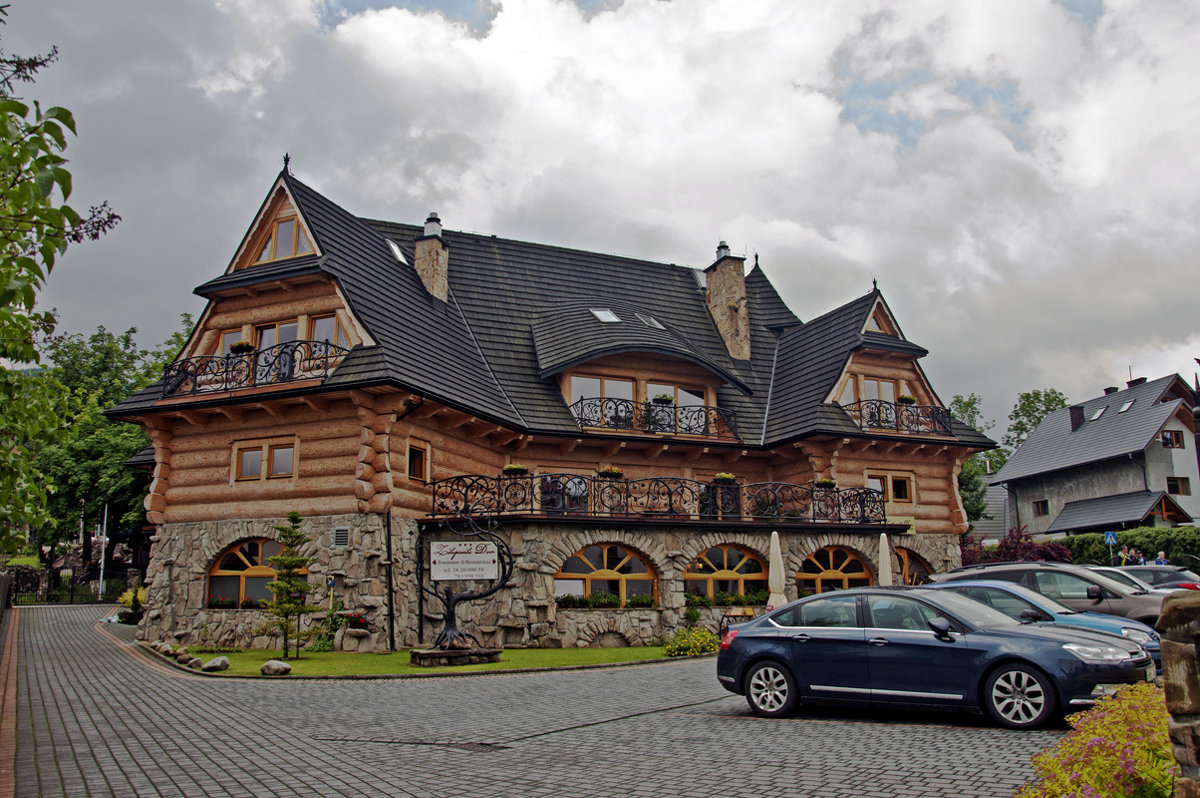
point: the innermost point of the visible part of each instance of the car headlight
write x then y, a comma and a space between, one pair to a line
1097, 653
1137, 635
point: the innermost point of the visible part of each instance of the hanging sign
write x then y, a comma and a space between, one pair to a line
463, 560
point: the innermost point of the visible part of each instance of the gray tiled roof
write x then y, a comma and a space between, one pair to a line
1053, 446
517, 314
1108, 510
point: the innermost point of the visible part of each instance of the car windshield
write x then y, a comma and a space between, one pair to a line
1035, 598
978, 615
1125, 579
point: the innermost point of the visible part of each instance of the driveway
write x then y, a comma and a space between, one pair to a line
96, 716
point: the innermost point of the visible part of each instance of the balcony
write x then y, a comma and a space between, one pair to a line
283, 363
875, 415
657, 498
626, 414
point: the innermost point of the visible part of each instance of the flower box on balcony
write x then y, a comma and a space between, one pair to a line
724, 479
825, 484
241, 348
663, 399
612, 472
906, 400
515, 470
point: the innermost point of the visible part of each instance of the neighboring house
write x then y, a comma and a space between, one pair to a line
995, 525
377, 377
1121, 460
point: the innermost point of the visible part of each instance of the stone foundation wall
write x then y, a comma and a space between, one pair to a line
521, 614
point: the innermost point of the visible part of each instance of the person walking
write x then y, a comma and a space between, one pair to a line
1161, 559
1124, 555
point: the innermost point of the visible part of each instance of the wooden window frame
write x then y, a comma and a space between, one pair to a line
723, 573
266, 447
610, 574
889, 490
424, 449
257, 570
1173, 439
1041, 508
833, 564
1179, 486
272, 241
341, 337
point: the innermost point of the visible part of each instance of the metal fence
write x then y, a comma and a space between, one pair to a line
70, 593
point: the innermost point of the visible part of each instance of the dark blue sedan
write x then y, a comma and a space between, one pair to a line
895, 647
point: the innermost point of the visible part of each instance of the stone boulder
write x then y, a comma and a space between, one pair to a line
215, 664
274, 667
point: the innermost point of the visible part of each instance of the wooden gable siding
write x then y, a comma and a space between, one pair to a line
876, 365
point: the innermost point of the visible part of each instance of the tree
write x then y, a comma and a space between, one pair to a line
1028, 412
972, 479
36, 226
290, 587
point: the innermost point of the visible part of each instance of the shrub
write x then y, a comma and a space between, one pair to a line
1119, 747
697, 600
757, 597
569, 601
323, 639
691, 641
133, 598
606, 600
691, 617
723, 599
640, 600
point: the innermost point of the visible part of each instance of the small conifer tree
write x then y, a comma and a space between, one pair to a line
290, 588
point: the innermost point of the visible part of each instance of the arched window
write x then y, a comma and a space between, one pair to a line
913, 569
725, 569
239, 577
833, 568
606, 568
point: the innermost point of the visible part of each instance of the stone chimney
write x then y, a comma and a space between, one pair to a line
725, 292
433, 259
1110, 390
1076, 417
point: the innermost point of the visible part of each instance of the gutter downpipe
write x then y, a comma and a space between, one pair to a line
409, 407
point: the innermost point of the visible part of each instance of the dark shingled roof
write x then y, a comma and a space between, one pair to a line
1109, 510
1053, 446
518, 313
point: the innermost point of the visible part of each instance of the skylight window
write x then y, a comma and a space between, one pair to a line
605, 315
1126, 406
396, 251
650, 321
1099, 413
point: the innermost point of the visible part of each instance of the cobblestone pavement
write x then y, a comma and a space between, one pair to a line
96, 716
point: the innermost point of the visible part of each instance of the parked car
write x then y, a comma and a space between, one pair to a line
1074, 585
1024, 605
1123, 576
1176, 577
919, 646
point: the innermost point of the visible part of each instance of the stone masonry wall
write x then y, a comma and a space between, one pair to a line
521, 614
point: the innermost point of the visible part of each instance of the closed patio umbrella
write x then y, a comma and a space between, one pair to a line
885, 560
775, 574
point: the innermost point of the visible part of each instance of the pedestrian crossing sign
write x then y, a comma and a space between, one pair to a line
1110, 538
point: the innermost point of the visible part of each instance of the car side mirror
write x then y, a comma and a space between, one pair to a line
1030, 615
940, 628
1094, 593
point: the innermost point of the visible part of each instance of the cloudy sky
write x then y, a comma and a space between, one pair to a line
1021, 177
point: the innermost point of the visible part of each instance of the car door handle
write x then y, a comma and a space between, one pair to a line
878, 641
802, 637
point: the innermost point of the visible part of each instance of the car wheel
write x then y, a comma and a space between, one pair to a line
1019, 697
771, 690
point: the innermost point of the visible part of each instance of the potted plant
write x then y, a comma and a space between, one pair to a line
606, 601
610, 472
724, 478
663, 399
640, 600
241, 347
515, 470
905, 399
355, 620
221, 602
826, 484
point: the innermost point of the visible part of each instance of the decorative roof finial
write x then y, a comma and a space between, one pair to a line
287, 159
874, 284
756, 260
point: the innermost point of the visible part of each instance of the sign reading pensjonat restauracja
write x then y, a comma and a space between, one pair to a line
463, 560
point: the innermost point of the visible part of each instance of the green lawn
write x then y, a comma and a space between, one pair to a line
31, 561
338, 663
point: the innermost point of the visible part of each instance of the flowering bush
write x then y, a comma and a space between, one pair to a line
611, 472
356, 620
515, 468
1119, 747
132, 596
220, 602
691, 641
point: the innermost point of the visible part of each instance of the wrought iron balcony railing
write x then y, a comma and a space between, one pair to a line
876, 414
626, 414
652, 499
287, 362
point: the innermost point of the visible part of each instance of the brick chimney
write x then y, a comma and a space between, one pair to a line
433, 259
1076, 417
725, 293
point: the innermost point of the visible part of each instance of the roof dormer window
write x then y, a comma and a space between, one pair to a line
650, 321
1098, 413
605, 315
1126, 406
286, 240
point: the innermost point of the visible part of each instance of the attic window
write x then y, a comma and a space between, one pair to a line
649, 321
286, 240
605, 315
396, 251
1098, 413
1126, 406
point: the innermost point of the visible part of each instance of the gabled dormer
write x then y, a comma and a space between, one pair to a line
279, 232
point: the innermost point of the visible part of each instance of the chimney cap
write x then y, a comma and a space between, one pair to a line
1135, 381
722, 250
433, 225
1111, 390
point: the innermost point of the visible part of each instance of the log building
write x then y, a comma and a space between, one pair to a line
629, 428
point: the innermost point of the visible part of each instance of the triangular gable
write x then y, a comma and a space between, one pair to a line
270, 229
881, 320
